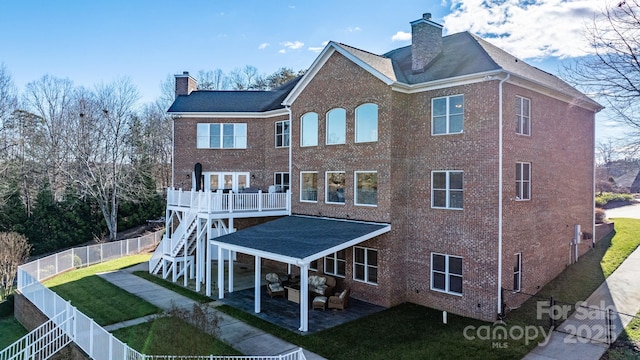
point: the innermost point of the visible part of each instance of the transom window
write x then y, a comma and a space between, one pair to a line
336, 263
365, 264
336, 126
517, 273
446, 189
309, 129
447, 115
366, 188
335, 187
221, 136
367, 123
523, 181
523, 116
282, 133
446, 273
281, 181
308, 186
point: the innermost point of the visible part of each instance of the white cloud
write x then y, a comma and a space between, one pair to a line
316, 49
527, 29
401, 36
354, 29
282, 51
263, 46
293, 44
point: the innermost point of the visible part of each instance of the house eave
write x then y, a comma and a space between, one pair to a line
232, 114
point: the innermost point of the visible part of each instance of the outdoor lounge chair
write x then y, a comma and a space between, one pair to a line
340, 300
274, 285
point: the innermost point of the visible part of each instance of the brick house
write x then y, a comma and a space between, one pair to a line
476, 167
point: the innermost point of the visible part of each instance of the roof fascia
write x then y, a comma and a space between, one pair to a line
266, 114
445, 83
319, 63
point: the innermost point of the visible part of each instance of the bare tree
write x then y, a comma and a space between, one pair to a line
50, 99
8, 104
212, 80
612, 72
14, 250
101, 148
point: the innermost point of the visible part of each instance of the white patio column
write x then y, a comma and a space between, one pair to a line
256, 290
304, 297
208, 272
198, 259
231, 252
220, 273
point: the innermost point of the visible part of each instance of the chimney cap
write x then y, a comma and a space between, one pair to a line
185, 73
426, 16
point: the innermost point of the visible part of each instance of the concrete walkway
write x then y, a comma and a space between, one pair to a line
242, 337
620, 292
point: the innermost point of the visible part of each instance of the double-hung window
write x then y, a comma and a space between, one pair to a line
446, 189
523, 116
523, 181
221, 136
366, 188
335, 187
365, 264
282, 133
308, 186
367, 123
447, 115
517, 273
336, 263
309, 129
336, 126
446, 273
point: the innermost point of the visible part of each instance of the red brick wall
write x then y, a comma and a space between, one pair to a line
261, 158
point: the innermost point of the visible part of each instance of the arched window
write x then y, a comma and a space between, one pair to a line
367, 123
309, 129
336, 126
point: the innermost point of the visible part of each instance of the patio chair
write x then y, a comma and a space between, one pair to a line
340, 300
274, 285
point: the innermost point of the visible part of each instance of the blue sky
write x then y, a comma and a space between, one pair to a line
95, 41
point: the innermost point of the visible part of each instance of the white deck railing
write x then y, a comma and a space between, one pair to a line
219, 202
67, 324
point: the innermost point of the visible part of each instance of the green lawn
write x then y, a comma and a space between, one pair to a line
10, 331
99, 299
169, 335
173, 287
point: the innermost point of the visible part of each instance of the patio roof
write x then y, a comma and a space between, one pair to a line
300, 239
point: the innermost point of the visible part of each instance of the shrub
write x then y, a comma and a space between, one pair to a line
601, 215
606, 197
6, 306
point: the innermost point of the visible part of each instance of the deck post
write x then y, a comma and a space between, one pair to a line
230, 280
220, 273
304, 298
256, 289
207, 274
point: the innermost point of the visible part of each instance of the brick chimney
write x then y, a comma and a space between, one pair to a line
185, 84
426, 42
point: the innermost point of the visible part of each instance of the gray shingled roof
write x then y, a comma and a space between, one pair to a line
299, 236
232, 100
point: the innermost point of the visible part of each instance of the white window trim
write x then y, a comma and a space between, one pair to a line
327, 127
334, 271
519, 272
365, 265
518, 197
355, 187
326, 187
447, 116
528, 115
235, 126
446, 274
355, 116
447, 189
282, 174
275, 129
302, 129
308, 172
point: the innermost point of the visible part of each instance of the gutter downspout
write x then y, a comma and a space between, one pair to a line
290, 156
500, 185
173, 150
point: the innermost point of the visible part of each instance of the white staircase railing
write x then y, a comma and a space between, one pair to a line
67, 324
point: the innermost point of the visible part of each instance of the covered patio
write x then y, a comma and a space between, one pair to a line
293, 240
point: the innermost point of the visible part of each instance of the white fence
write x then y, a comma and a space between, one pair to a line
67, 324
